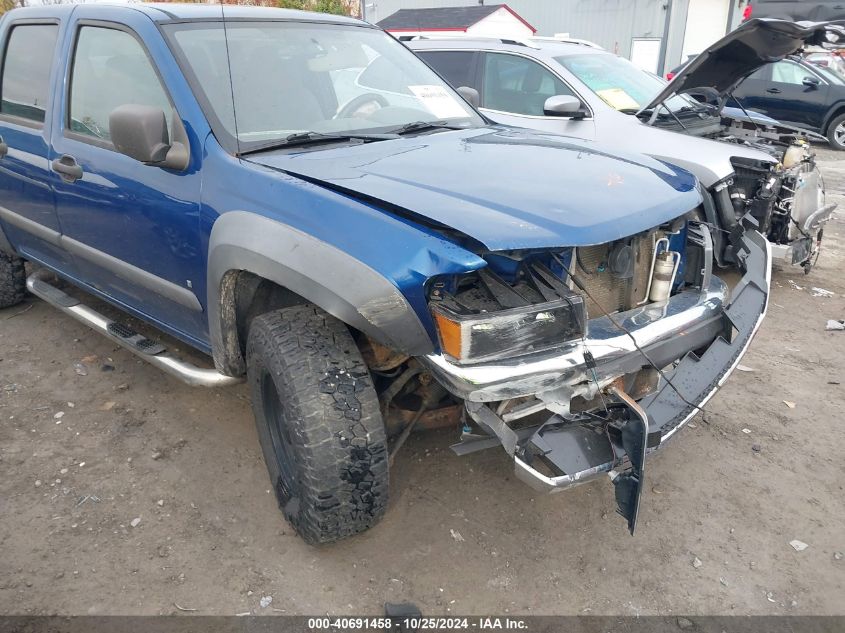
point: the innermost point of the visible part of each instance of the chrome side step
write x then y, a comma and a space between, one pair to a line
151, 351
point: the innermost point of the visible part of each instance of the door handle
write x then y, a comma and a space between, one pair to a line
773, 91
4, 149
68, 168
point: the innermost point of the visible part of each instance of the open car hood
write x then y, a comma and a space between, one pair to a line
723, 65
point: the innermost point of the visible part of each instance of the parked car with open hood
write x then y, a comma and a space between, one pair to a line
301, 198
796, 10
744, 165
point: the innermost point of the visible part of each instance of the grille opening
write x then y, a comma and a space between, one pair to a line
607, 290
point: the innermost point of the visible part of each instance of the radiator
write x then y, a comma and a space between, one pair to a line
602, 287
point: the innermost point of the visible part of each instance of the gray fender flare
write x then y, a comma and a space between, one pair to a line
317, 271
5, 245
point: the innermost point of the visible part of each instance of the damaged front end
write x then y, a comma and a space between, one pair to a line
580, 361
787, 199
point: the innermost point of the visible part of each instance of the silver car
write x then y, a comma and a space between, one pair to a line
752, 168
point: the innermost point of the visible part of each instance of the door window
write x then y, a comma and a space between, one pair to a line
110, 69
26, 71
789, 73
517, 84
454, 66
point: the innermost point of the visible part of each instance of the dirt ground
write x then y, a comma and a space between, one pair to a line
124, 492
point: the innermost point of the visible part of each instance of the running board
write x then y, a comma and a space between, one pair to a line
151, 351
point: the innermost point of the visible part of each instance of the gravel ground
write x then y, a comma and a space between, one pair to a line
124, 492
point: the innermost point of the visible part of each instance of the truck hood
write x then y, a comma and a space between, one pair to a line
504, 187
723, 65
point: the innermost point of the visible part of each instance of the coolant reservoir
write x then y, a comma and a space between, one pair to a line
795, 153
661, 282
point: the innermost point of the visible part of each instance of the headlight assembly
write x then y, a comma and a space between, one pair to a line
486, 336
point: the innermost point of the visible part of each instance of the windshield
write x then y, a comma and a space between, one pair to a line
619, 83
296, 77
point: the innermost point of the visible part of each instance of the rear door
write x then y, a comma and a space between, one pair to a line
27, 206
133, 229
784, 95
458, 67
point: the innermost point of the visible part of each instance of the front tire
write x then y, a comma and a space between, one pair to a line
319, 423
836, 133
12, 280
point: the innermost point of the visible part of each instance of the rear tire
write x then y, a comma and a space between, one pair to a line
318, 422
12, 280
836, 133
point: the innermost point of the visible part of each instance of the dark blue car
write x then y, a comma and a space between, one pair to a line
799, 93
302, 199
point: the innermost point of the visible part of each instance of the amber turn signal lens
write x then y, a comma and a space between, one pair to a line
450, 335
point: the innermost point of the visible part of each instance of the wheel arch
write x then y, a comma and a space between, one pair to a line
833, 113
247, 251
5, 245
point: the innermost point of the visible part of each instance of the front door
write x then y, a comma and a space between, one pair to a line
133, 229
515, 88
794, 94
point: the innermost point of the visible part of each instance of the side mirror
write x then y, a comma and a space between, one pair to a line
811, 82
471, 95
563, 105
140, 132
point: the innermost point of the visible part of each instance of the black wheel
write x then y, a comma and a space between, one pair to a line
836, 132
319, 423
12, 280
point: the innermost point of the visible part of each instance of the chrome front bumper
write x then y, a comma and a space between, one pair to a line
687, 321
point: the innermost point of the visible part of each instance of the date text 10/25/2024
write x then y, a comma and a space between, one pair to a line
416, 623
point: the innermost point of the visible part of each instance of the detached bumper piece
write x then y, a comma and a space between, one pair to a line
657, 417
572, 448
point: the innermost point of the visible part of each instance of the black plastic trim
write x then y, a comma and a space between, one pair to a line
316, 271
5, 244
32, 227
133, 274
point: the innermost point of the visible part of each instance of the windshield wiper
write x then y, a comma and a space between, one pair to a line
305, 138
421, 126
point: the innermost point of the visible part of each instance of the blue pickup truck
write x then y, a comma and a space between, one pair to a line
303, 200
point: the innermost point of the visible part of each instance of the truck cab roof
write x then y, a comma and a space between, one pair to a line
169, 12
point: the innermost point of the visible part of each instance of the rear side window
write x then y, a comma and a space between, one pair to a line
518, 85
110, 69
26, 71
454, 66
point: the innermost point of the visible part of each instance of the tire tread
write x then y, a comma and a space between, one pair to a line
12, 280
333, 413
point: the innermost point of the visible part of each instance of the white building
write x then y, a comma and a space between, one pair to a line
655, 34
493, 20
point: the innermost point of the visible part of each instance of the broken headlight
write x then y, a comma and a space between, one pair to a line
493, 320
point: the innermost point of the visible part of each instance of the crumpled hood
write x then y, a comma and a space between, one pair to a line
723, 65
506, 188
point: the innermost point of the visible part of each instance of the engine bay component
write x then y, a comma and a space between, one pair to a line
786, 199
665, 267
